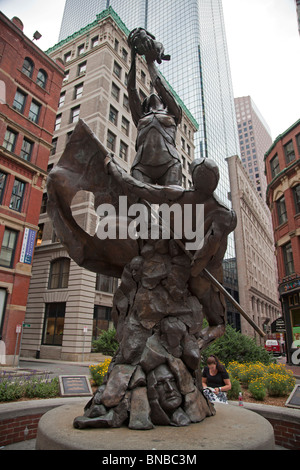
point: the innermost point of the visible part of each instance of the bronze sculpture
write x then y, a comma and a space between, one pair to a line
163, 295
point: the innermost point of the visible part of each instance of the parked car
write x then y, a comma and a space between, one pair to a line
273, 346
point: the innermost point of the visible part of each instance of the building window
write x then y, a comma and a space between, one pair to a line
143, 76
125, 126
111, 141
274, 165
117, 70
57, 122
81, 68
26, 150
34, 112
116, 45
41, 78
106, 283
281, 210
296, 193
3, 296
288, 259
2, 185
115, 92
62, 98
124, 54
102, 317
113, 115
19, 101
44, 203
10, 139
95, 41
126, 102
17, 195
80, 49
289, 152
39, 236
8, 248
66, 77
28, 67
67, 57
123, 151
298, 143
59, 273
75, 114
78, 91
54, 323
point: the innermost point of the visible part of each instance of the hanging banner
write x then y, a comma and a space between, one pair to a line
27, 246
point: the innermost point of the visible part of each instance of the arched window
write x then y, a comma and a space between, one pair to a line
59, 273
28, 67
41, 78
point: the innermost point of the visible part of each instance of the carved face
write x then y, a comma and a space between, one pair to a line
136, 267
169, 396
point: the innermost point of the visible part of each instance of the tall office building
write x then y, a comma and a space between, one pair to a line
193, 33
255, 139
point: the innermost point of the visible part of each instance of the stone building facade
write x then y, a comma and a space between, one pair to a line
30, 84
68, 305
257, 272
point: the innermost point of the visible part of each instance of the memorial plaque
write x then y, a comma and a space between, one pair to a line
294, 399
74, 385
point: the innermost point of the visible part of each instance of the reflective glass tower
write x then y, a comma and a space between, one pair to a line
193, 33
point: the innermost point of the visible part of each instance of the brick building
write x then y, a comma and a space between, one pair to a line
30, 84
282, 162
67, 304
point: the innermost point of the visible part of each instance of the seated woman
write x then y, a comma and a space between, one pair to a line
215, 380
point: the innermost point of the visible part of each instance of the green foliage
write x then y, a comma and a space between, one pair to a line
14, 388
261, 379
233, 394
234, 346
98, 371
279, 385
10, 391
37, 388
106, 342
257, 389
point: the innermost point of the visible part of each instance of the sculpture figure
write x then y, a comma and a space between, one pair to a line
156, 119
163, 294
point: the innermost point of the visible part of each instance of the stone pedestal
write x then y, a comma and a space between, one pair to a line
232, 428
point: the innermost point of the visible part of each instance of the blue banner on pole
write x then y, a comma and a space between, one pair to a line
27, 246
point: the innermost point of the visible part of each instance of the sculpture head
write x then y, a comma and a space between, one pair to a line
205, 175
166, 389
136, 268
152, 103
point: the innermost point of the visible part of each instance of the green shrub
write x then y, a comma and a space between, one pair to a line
279, 385
252, 372
257, 389
10, 391
106, 342
234, 346
233, 394
37, 388
98, 371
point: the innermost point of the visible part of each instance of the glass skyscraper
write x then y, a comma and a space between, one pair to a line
193, 33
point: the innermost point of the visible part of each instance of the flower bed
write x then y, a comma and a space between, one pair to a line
263, 383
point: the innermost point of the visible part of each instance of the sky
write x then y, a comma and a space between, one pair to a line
263, 45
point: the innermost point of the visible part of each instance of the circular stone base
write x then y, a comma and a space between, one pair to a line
232, 428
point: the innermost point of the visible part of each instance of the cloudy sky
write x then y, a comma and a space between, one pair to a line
263, 44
